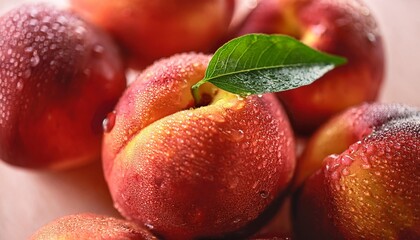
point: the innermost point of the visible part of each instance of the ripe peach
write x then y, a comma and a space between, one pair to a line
59, 77
150, 30
187, 171
367, 184
345, 28
91, 226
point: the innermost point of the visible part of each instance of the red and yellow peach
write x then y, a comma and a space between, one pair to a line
366, 176
187, 169
59, 77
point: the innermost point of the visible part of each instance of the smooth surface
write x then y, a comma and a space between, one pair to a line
30, 199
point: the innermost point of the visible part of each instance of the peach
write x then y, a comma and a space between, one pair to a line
149, 30
91, 226
59, 78
190, 170
345, 28
366, 176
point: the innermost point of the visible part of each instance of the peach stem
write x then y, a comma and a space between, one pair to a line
196, 93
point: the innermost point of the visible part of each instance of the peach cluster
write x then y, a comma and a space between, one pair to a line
221, 167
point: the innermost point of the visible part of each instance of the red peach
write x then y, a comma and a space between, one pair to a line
150, 30
59, 78
91, 226
368, 186
187, 171
346, 28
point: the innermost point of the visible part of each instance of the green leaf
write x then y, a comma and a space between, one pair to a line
259, 63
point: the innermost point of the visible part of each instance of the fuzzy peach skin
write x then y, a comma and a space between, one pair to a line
59, 77
368, 186
343, 27
91, 226
186, 171
149, 30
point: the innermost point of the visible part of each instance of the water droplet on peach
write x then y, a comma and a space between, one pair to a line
149, 225
217, 118
346, 160
44, 28
98, 49
19, 85
236, 135
109, 122
264, 194
237, 220
371, 37
365, 166
345, 172
337, 186
34, 60
335, 175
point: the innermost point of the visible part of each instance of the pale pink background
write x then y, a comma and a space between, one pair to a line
30, 199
